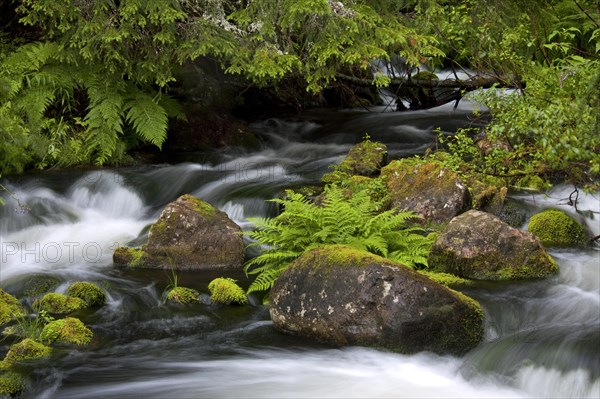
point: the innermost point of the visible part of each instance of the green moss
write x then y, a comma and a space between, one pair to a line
12, 384
10, 308
133, 257
37, 286
449, 280
365, 158
183, 295
28, 349
472, 325
226, 291
67, 331
202, 207
555, 228
58, 303
90, 293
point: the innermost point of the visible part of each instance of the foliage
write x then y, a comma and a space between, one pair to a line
30, 326
353, 221
91, 294
226, 291
67, 331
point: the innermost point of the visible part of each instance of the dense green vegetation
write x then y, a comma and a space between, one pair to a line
355, 221
88, 81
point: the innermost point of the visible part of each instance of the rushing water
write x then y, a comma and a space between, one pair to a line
542, 337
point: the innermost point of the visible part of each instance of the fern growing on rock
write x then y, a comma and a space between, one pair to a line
353, 221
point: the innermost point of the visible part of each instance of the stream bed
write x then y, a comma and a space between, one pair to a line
542, 337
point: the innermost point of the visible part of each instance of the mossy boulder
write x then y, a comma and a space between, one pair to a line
66, 331
12, 384
513, 213
189, 234
90, 293
345, 296
226, 291
477, 245
183, 295
10, 308
365, 159
59, 303
427, 188
27, 349
557, 229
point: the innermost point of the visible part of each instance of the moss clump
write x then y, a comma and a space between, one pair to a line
129, 256
67, 331
226, 291
10, 308
58, 303
12, 384
449, 280
28, 349
202, 207
365, 158
39, 285
90, 293
557, 229
183, 295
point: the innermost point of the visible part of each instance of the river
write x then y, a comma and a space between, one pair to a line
542, 337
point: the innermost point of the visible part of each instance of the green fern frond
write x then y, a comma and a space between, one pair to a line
148, 118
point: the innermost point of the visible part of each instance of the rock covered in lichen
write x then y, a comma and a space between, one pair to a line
90, 293
427, 188
557, 229
10, 308
226, 291
183, 295
344, 296
189, 234
66, 331
478, 245
59, 303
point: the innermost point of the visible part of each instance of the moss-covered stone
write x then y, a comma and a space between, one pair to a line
126, 256
427, 188
38, 285
388, 305
10, 308
66, 331
190, 234
183, 295
12, 384
90, 293
479, 246
27, 349
365, 159
59, 303
557, 229
226, 291
513, 214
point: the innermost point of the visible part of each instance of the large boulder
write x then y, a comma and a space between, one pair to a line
557, 229
478, 245
189, 234
427, 188
344, 296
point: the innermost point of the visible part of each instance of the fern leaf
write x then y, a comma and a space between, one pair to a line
148, 118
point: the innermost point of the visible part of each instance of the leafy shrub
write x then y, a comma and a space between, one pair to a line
352, 221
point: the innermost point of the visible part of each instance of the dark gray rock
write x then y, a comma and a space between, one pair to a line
344, 296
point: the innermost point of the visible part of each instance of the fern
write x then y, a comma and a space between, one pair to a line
353, 221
